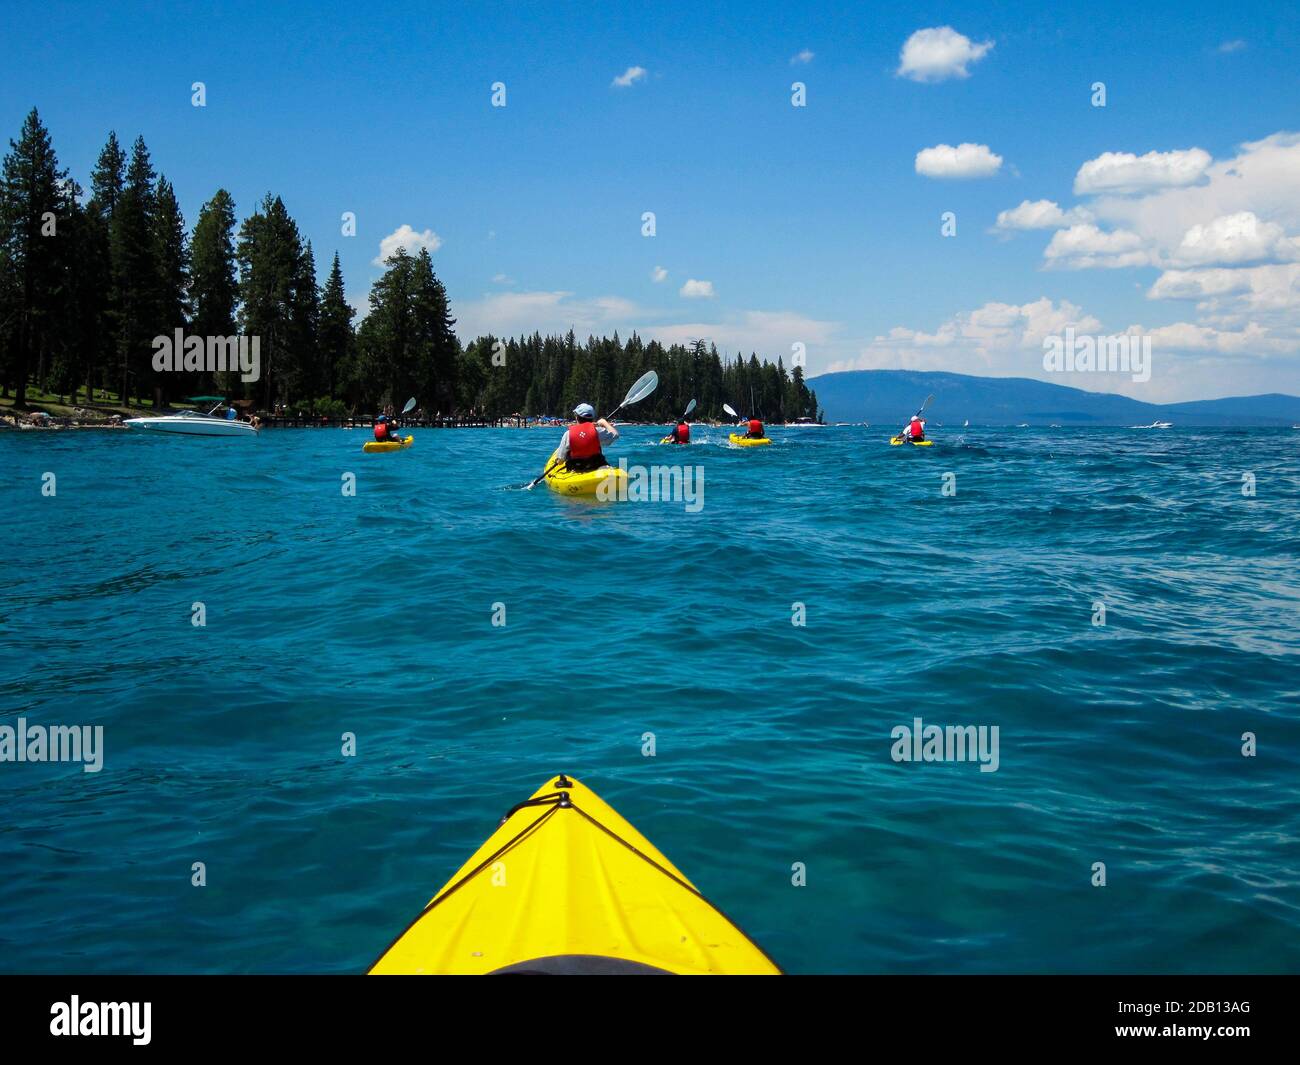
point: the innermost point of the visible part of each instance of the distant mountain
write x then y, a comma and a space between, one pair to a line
889, 396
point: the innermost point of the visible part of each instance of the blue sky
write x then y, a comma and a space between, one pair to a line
809, 224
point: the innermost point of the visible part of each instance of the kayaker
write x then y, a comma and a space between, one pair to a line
915, 431
755, 429
580, 447
385, 431
681, 434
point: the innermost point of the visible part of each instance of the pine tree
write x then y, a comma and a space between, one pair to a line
81, 298
270, 267
438, 353
132, 243
33, 195
336, 342
172, 258
303, 377
214, 289
107, 180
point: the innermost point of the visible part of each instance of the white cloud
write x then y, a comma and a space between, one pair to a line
939, 53
1225, 235
502, 279
1262, 178
805, 56
1123, 172
1086, 246
963, 161
1040, 214
1192, 337
408, 240
1236, 238
515, 313
697, 290
1231, 46
998, 338
628, 78
1269, 294
1191, 360
1224, 242
658, 274
770, 333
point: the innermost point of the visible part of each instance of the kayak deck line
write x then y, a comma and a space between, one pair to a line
578, 907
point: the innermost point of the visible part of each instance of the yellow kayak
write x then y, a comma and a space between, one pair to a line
387, 445
567, 483
748, 441
565, 886
897, 441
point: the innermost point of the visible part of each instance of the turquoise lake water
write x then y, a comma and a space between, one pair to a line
373, 614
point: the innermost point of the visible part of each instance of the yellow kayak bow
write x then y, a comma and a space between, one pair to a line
566, 886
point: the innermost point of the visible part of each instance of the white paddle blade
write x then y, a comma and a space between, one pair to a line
410, 406
730, 410
689, 407
645, 384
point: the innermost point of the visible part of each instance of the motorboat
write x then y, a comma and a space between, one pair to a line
192, 423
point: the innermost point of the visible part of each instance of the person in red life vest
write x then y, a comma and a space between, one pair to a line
386, 432
681, 434
915, 432
755, 429
580, 447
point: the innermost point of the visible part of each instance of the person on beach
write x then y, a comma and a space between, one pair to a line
580, 447
915, 431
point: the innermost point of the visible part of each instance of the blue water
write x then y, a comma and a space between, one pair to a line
373, 614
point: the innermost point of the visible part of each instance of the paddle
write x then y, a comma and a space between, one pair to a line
410, 406
928, 400
732, 411
645, 384
685, 414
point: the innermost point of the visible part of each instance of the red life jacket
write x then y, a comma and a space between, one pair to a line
584, 441
755, 427
381, 431
682, 434
917, 429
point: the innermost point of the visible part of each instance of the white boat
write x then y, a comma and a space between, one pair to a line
192, 423
1154, 425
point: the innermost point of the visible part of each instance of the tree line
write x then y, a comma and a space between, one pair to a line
90, 276
550, 375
